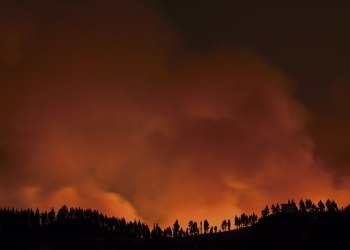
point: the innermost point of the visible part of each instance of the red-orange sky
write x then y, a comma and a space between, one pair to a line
110, 106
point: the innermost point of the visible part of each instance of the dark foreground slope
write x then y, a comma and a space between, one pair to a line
302, 231
281, 231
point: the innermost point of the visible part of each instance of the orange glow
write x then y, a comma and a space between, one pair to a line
110, 112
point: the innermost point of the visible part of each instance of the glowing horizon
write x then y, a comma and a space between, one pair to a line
107, 109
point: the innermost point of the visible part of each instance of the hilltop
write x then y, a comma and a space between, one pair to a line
309, 228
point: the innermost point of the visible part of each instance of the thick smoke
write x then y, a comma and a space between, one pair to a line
102, 107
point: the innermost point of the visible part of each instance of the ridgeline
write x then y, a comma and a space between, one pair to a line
288, 227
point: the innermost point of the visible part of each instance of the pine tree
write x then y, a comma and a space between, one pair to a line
278, 208
237, 222
176, 228
308, 205
273, 209
52, 215
206, 226
321, 206
302, 207
223, 225
265, 212
328, 205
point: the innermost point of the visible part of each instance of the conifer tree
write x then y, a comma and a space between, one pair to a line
302, 206
206, 226
321, 206
176, 229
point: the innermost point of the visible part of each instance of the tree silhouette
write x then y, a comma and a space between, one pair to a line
331, 206
145, 231
156, 231
273, 209
278, 208
193, 228
206, 226
321, 206
44, 219
292, 202
190, 226
137, 226
167, 232
52, 215
181, 233
302, 206
308, 205
176, 229
314, 208
62, 213
347, 208
77, 220
328, 204
36, 219
265, 212
244, 219
223, 225
92, 222
254, 218
238, 222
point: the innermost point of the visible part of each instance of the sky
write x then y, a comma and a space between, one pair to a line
163, 110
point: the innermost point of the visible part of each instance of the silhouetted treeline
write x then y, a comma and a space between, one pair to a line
77, 228
245, 220
306, 207
87, 219
72, 220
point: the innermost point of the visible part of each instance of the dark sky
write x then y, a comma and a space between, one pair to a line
308, 40
165, 110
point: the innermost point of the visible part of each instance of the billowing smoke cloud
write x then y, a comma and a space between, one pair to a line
330, 128
101, 107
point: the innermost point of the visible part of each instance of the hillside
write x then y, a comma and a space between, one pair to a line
283, 230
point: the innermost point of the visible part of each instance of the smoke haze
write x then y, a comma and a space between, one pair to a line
103, 107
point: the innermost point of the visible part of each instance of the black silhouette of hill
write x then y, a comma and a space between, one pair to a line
87, 229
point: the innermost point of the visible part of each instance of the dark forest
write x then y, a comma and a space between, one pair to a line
293, 224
